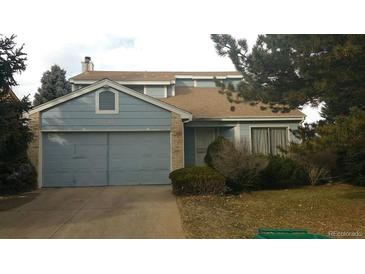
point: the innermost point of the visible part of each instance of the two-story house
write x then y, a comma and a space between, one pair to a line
135, 127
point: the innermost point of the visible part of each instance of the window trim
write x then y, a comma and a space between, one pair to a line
116, 102
268, 127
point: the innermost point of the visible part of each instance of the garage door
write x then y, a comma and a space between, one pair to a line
99, 159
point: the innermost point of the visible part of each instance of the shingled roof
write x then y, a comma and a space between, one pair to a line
145, 75
209, 103
203, 103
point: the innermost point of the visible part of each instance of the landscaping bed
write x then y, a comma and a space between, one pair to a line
320, 209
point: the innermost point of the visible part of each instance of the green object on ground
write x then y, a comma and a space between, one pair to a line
289, 233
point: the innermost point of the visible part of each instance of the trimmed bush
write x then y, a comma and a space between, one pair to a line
17, 177
215, 148
282, 172
197, 180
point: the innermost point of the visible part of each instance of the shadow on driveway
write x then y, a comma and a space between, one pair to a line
11, 202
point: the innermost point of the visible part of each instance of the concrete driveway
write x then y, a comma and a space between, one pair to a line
98, 212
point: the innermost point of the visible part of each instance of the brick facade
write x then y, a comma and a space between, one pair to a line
177, 142
33, 148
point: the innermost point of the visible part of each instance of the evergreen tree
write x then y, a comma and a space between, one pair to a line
16, 173
54, 85
288, 71
12, 60
344, 139
14, 131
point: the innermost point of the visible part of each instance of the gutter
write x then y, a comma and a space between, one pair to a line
253, 118
127, 82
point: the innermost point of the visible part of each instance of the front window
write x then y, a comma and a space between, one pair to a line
268, 140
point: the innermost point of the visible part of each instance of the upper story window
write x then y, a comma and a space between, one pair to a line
107, 102
207, 81
156, 91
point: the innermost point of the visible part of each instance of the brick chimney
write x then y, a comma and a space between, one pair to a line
87, 65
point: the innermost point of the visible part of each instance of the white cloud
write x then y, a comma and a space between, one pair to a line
130, 34
119, 52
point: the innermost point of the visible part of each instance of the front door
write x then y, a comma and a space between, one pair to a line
204, 136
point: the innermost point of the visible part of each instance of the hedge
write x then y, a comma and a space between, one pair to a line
197, 180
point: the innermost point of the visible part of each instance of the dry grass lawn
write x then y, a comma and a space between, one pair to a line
320, 209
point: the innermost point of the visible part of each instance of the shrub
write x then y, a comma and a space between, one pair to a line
317, 164
354, 167
337, 148
17, 177
238, 165
214, 148
197, 180
282, 172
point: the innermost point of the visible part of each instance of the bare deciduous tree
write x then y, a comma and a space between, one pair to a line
316, 164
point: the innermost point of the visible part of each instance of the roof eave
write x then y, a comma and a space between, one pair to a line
107, 82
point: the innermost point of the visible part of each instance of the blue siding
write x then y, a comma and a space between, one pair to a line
234, 82
184, 82
80, 114
137, 88
209, 83
189, 146
156, 91
227, 133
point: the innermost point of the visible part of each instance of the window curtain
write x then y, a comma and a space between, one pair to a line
260, 141
278, 138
